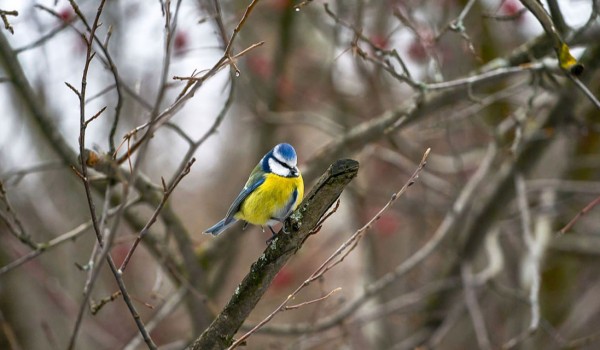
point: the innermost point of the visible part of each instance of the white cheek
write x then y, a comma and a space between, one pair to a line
277, 168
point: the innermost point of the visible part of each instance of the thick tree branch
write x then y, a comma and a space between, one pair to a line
301, 224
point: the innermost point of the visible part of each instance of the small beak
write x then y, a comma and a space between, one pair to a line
295, 171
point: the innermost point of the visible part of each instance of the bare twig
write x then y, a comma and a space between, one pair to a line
144, 231
581, 213
193, 84
46, 37
474, 309
81, 93
194, 145
297, 306
11, 219
165, 310
13, 177
510, 17
458, 26
68, 236
581, 342
4, 15
405, 78
566, 60
590, 95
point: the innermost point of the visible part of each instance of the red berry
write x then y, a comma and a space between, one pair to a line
416, 51
380, 41
387, 225
66, 14
260, 66
181, 42
283, 279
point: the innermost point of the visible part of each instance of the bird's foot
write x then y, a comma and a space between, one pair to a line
273, 236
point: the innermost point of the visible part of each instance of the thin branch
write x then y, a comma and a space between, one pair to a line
590, 95
13, 177
581, 213
42, 118
165, 310
385, 64
105, 247
510, 17
154, 216
193, 84
488, 75
483, 339
557, 17
11, 219
566, 60
4, 15
211, 131
297, 306
51, 34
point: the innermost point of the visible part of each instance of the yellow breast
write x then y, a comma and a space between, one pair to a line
270, 199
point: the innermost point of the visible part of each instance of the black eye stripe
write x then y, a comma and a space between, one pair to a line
282, 163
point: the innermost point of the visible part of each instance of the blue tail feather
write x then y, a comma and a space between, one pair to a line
219, 227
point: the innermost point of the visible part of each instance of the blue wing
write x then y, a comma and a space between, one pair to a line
235, 207
257, 178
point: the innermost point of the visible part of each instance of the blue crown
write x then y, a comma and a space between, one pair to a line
285, 151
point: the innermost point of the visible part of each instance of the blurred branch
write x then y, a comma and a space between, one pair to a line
424, 105
12, 220
581, 213
582, 342
488, 75
565, 59
192, 85
46, 124
57, 142
502, 189
194, 145
300, 225
474, 308
586, 91
68, 236
12, 178
104, 244
166, 194
197, 278
46, 37
536, 245
557, 17
385, 64
165, 310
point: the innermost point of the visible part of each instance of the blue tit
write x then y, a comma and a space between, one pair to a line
274, 189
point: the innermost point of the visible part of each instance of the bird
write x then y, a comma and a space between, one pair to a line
273, 191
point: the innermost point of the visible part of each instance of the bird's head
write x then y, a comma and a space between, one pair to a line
282, 161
